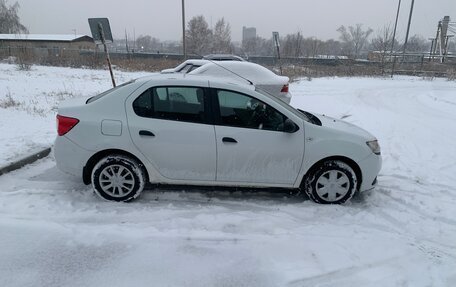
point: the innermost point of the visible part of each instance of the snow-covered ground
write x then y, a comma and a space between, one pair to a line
54, 232
33, 97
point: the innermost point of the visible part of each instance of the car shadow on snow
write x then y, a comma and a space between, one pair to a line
220, 195
56, 182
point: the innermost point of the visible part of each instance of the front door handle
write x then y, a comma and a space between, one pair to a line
229, 140
146, 133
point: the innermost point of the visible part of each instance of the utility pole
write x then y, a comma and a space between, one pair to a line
126, 41
437, 37
183, 30
408, 29
395, 26
431, 58
445, 50
394, 38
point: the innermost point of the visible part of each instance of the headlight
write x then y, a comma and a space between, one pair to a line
374, 146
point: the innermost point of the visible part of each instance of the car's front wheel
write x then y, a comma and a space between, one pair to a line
333, 182
118, 178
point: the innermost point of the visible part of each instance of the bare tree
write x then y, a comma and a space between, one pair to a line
418, 44
198, 35
144, 42
9, 19
292, 45
313, 47
250, 46
452, 45
381, 44
258, 47
354, 39
295, 45
221, 40
332, 48
383, 39
148, 43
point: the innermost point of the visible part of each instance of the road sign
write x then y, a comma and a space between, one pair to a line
99, 28
275, 36
101, 33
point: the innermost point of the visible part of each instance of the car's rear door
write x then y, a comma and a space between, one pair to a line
170, 126
251, 144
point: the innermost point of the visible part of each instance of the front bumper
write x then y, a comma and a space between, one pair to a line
370, 167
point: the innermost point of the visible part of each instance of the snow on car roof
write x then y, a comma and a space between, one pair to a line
213, 79
235, 69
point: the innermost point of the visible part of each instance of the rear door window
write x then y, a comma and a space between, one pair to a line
172, 103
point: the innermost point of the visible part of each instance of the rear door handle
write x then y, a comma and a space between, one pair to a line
146, 133
229, 140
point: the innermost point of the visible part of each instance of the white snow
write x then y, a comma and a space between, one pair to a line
55, 232
42, 37
31, 124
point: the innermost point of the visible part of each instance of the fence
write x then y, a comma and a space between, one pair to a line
411, 64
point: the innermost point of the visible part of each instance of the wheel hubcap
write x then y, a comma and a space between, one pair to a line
333, 185
116, 180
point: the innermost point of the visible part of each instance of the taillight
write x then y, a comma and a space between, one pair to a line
284, 89
65, 124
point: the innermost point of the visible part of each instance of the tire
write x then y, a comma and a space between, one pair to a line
333, 182
118, 178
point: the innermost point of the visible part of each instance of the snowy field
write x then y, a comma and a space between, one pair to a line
32, 97
55, 232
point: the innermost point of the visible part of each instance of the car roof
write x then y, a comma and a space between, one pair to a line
223, 57
195, 62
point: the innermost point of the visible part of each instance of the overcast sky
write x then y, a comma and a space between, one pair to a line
162, 19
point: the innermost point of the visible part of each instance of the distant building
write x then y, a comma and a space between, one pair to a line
248, 33
44, 45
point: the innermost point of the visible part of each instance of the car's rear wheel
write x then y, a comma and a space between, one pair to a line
332, 182
118, 178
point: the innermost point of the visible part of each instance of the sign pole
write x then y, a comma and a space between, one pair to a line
276, 39
100, 29
101, 33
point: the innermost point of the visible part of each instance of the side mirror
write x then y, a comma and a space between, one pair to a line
289, 126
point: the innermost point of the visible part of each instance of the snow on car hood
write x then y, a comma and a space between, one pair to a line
344, 126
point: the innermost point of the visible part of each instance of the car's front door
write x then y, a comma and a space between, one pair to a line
169, 126
251, 144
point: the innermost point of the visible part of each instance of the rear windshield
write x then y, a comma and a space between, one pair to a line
93, 99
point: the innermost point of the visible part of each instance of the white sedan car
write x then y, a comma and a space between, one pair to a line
195, 130
253, 73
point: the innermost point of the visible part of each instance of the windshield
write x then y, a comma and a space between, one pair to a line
283, 104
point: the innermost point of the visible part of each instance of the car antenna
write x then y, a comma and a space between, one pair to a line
234, 73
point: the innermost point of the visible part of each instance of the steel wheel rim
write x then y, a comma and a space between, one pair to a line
333, 185
116, 180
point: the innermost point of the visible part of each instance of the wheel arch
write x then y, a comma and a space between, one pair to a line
94, 159
344, 159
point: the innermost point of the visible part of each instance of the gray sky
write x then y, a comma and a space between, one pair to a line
162, 19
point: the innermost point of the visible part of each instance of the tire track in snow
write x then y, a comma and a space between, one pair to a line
333, 277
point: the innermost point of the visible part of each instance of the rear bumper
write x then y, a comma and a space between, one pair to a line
70, 157
370, 167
